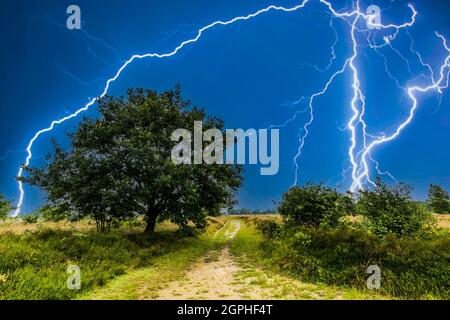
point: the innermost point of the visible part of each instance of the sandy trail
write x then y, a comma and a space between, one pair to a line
213, 278
218, 276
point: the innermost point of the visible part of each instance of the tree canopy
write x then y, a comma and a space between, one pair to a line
438, 199
120, 166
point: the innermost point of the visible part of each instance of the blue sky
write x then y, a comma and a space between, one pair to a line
246, 73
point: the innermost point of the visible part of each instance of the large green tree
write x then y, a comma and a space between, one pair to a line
120, 164
438, 199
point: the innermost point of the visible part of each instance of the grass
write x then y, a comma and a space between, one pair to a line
145, 282
260, 272
33, 264
18, 226
443, 220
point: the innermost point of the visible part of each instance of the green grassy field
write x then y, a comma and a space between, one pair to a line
231, 254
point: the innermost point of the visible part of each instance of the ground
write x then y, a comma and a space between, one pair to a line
224, 262
219, 274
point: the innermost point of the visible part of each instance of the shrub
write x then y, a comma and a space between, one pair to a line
315, 205
31, 218
269, 228
392, 211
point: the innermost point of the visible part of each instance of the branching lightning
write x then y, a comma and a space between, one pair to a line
362, 144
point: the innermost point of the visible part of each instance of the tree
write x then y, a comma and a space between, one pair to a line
438, 199
120, 165
5, 208
391, 210
315, 205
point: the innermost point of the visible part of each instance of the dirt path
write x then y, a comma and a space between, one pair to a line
213, 278
219, 276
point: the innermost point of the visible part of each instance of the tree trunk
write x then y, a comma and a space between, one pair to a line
151, 224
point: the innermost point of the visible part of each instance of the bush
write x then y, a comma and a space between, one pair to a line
393, 211
31, 218
270, 228
410, 268
315, 205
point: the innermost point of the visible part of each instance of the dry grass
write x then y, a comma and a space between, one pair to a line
18, 226
443, 220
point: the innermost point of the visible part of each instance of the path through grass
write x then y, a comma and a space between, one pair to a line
224, 265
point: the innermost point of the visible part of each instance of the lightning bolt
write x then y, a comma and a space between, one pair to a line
358, 101
359, 159
437, 85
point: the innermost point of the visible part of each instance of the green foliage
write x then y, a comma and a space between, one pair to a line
391, 210
5, 208
52, 213
31, 218
410, 268
244, 212
315, 205
438, 199
133, 223
120, 165
270, 228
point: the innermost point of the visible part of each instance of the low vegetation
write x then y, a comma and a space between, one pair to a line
33, 265
410, 268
